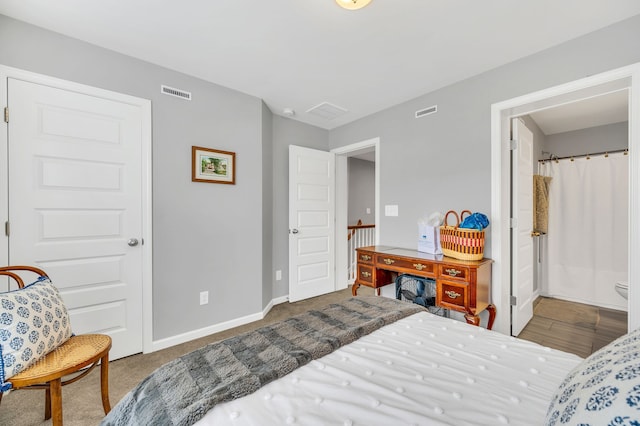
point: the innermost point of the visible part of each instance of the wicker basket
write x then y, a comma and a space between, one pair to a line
463, 244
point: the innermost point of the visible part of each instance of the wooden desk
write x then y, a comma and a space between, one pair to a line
461, 285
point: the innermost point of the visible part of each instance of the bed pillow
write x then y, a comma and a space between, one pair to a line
33, 322
604, 389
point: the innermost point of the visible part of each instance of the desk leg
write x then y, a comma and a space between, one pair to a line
472, 319
354, 288
492, 315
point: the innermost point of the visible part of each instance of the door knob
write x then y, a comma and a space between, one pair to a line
535, 234
294, 231
133, 242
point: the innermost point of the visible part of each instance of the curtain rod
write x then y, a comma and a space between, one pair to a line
605, 153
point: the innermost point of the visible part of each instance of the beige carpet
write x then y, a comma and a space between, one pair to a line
567, 312
81, 400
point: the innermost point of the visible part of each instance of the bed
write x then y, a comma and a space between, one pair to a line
412, 368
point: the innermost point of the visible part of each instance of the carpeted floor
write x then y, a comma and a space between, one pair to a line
81, 401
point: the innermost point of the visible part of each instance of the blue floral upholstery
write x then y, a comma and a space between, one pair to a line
604, 389
33, 322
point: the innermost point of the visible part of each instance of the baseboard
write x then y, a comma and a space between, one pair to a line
279, 300
178, 339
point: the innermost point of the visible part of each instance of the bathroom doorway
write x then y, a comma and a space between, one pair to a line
502, 113
582, 251
581, 171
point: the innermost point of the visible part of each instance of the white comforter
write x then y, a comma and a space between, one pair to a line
421, 370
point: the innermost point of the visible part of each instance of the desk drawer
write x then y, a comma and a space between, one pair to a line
365, 257
452, 295
395, 263
455, 272
365, 275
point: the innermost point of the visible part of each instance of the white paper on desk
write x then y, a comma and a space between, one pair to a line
429, 239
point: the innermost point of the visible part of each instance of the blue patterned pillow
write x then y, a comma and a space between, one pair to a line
33, 322
604, 389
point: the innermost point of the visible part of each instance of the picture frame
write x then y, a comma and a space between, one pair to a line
213, 165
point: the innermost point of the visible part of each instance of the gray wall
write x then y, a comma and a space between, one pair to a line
611, 137
438, 162
442, 161
186, 215
538, 141
287, 132
362, 191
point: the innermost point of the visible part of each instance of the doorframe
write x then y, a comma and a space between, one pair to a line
625, 77
146, 202
342, 201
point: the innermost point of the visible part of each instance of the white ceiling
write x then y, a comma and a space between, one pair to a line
300, 53
592, 112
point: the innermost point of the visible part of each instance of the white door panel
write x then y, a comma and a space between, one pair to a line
75, 197
311, 222
522, 254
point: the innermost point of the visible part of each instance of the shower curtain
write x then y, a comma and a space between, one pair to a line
586, 245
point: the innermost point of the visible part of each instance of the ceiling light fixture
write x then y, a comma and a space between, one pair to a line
353, 4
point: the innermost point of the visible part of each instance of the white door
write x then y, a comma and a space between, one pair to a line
75, 204
311, 222
522, 242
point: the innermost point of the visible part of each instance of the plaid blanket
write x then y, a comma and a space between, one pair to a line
183, 390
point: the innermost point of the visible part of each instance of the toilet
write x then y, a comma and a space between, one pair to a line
622, 287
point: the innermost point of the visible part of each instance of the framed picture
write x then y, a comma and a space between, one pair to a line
213, 165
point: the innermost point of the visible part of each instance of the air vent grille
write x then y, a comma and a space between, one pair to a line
172, 91
427, 111
327, 111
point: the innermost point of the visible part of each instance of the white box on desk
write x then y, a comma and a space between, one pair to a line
429, 239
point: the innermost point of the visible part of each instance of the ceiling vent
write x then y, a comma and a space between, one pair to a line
182, 94
327, 111
427, 111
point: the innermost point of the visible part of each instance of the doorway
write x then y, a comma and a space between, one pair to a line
620, 79
371, 148
576, 248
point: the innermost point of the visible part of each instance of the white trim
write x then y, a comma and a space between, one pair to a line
628, 76
4, 176
147, 230
206, 331
203, 332
279, 300
145, 106
342, 201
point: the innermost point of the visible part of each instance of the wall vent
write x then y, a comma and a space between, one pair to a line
171, 91
427, 111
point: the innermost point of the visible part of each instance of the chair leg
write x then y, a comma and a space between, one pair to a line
47, 402
104, 383
56, 402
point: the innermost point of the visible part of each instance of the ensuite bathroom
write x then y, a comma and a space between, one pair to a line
581, 193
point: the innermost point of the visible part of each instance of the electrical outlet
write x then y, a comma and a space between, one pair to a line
278, 275
204, 297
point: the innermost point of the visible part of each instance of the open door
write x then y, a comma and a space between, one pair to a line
311, 223
522, 239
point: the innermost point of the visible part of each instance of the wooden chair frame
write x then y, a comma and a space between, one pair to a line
71, 357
